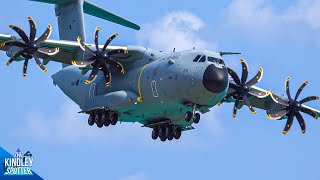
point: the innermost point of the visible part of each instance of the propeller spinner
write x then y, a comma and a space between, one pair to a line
243, 88
30, 46
101, 59
293, 107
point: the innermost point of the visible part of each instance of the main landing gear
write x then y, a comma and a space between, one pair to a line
166, 132
192, 115
103, 118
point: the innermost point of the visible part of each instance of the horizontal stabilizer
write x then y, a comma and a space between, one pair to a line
98, 12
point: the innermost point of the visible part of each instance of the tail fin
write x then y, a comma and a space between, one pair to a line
70, 17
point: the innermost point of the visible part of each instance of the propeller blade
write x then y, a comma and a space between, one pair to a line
288, 88
40, 64
83, 63
301, 122
96, 38
310, 98
245, 71
309, 112
33, 29
15, 56
117, 65
233, 86
234, 76
256, 78
25, 66
235, 108
278, 100
13, 43
227, 97
93, 74
49, 51
278, 115
300, 90
109, 41
107, 74
258, 93
117, 51
85, 47
288, 125
45, 35
247, 102
21, 33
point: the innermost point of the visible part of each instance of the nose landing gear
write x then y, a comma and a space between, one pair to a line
192, 115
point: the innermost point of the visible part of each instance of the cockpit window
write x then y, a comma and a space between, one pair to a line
203, 59
217, 60
196, 58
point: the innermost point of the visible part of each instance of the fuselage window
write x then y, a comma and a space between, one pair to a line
196, 58
202, 59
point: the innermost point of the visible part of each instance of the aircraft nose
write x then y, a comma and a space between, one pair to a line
215, 79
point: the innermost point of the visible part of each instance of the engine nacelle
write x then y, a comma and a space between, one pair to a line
13, 50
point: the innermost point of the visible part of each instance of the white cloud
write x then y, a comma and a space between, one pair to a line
68, 126
180, 30
258, 19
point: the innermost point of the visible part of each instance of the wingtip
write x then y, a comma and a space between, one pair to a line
234, 116
303, 131
242, 60
24, 75
29, 18
284, 132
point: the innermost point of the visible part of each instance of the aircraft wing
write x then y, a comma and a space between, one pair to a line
68, 50
243, 93
264, 101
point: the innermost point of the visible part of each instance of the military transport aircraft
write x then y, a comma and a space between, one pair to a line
162, 90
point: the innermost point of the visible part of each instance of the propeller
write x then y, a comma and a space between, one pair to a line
242, 88
293, 107
30, 45
101, 59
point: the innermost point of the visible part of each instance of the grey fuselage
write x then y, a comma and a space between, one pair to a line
166, 81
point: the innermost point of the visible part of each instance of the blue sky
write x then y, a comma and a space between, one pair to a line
283, 37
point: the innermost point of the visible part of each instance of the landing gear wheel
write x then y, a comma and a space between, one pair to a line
114, 119
162, 135
169, 133
155, 133
97, 120
196, 118
91, 120
105, 119
188, 116
177, 133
